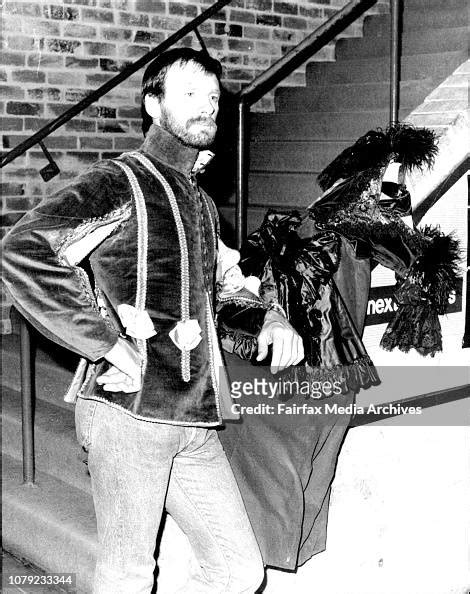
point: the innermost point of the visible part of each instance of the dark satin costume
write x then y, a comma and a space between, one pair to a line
317, 267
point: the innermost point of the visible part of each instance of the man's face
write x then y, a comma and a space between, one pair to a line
189, 106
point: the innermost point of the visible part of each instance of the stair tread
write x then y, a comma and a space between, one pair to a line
51, 524
428, 4
434, 66
414, 19
309, 125
350, 96
291, 155
367, 84
385, 59
51, 499
54, 369
48, 416
286, 190
448, 39
56, 448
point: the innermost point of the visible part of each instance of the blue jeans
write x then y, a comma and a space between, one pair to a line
137, 469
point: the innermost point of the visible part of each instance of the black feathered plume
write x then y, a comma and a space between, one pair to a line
415, 148
436, 269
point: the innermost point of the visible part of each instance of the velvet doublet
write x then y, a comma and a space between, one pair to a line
56, 295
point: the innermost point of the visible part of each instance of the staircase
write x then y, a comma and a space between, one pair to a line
52, 524
344, 99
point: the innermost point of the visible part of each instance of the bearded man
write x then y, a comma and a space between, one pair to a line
148, 393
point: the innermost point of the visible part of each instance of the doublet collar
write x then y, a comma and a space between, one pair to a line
169, 150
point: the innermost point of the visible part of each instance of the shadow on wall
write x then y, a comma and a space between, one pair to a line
220, 177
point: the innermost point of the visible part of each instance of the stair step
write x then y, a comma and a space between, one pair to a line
54, 368
279, 190
427, 42
426, 5
291, 156
282, 190
437, 18
349, 97
317, 126
56, 448
431, 66
51, 524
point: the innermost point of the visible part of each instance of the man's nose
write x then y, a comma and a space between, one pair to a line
208, 107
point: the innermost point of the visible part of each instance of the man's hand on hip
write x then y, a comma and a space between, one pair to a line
288, 348
125, 375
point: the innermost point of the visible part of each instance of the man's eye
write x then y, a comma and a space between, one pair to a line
189, 93
215, 98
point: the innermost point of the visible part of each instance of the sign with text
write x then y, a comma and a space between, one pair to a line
382, 305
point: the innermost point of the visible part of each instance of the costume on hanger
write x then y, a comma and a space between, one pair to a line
316, 265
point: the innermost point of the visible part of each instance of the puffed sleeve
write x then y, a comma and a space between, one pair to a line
423, 292
240, 311
292, 271
425, 262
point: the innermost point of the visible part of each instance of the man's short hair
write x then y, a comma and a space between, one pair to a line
153, 81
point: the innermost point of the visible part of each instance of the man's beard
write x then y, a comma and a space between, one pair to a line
202, 138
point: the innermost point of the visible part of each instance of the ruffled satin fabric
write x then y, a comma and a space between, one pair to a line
297, 272
355, 209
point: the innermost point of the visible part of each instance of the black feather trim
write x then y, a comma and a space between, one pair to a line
436, 270
413, 147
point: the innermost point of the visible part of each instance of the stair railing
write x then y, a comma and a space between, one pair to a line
52, 169
436, 194
453, 176
27, 396
267, 80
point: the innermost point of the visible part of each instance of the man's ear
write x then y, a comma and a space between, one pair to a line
153, 107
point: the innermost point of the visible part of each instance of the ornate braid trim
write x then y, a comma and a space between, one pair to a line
237, 300
89, 225
142, 249
120, 214
142, 236
184, 257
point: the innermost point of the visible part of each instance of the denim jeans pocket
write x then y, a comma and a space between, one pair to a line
84, 415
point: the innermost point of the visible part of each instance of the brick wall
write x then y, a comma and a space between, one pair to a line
53, 54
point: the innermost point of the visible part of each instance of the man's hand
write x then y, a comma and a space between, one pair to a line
125, 375
288, 348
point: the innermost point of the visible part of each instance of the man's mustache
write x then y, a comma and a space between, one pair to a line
207, 120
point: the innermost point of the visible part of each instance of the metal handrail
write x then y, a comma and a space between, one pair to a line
110, 84
436, 194
395, 50
285, 66
27, 411
314, 42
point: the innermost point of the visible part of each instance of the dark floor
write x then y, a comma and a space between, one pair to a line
13, 567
